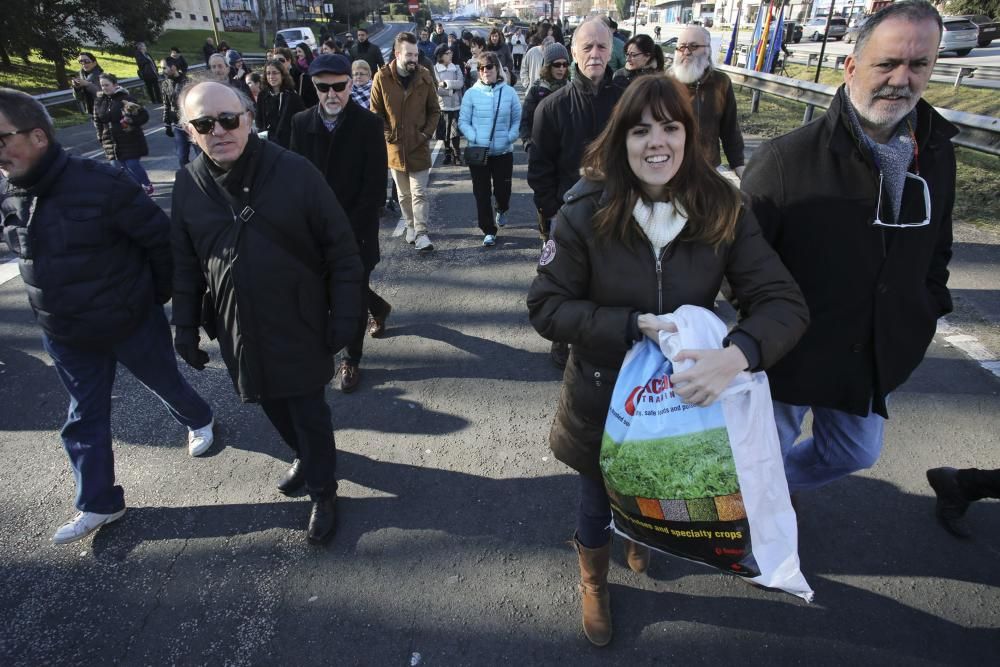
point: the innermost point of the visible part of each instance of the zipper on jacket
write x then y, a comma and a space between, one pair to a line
659, 281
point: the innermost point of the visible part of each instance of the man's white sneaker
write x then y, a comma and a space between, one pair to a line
83, 524
423, 244
489, 239
200, 439
411, 235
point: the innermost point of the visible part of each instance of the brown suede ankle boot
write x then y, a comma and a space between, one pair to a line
595, 597
637, 556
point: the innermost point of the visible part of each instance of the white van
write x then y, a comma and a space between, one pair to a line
294, 36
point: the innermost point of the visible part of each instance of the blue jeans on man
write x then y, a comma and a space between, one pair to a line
841, 444
88, 376
183, 146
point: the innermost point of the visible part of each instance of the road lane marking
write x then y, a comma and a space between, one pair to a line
970, 345
8, 271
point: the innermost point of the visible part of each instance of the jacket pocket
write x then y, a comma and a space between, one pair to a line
83, 227
591, 390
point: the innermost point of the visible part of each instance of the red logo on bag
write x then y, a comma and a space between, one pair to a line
654, 386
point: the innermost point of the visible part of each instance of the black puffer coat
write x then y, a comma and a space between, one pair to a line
586, 292
94, 254
275, 112
120, 140
270, 310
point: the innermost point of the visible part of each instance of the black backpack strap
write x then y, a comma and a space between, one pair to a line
244, 212
496, 116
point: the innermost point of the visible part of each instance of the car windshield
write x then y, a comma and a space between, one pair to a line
291, 34
959, 25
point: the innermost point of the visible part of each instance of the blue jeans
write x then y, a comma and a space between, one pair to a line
88, 376
842, 443
134, 169
183, 146
593, 519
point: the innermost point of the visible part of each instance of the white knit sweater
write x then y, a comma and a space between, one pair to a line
661, 222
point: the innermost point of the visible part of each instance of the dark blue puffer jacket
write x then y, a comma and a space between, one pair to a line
94, 250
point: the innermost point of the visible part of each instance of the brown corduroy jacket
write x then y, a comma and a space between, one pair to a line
410, 116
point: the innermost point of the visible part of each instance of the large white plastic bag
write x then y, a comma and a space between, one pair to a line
706, 484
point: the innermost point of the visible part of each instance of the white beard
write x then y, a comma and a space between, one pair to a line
690, 72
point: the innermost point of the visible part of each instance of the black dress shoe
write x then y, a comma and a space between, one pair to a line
293, 480
323, 521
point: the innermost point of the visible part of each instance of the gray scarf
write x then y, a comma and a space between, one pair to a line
891, 158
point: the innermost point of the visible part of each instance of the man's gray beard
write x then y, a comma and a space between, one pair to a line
690, 72
326, 114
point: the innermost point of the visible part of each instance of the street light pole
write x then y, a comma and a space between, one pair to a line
635, 18
215, 21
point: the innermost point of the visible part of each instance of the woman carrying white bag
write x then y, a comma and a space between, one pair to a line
650, 227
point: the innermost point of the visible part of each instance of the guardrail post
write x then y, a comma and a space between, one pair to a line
754, 101
808, 115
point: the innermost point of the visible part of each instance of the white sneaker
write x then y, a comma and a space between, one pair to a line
83, 524
489, 240
200, 439
400, 228
411, 235
423, 244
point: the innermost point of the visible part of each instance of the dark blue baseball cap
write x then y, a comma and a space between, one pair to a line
330, 63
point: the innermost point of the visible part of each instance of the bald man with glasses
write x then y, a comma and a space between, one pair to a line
266, 263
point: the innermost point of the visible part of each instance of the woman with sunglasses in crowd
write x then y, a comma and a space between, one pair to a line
87, 84
490, 117
119, 118
553, 76
642, 56
277, 103
650, 227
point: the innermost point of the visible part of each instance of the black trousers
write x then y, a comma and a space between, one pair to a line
153, 90
371, 303
304, 423
492, 181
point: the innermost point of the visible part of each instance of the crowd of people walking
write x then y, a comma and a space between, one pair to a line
633, 216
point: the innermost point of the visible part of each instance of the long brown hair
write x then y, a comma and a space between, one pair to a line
712, 205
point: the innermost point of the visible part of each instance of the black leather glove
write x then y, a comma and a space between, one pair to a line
186, 345
169, 131
340, 332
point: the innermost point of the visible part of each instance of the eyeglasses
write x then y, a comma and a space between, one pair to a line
485, 68
325, 87
562, 64
689, 48
227, 120
4, 135
630, 55
910, 178
281, 59
84, 61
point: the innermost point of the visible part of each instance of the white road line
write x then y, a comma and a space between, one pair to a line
8, 271
970, 345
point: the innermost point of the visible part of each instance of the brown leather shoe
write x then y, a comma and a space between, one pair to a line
376, 323
348, 376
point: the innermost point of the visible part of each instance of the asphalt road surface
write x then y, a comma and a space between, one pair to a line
455, 519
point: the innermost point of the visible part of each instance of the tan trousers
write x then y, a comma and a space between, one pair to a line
412, 189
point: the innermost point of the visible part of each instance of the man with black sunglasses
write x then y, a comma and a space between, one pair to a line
344, 141
858, 205
266, 262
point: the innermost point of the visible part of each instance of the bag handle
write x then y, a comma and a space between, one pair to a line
495, 117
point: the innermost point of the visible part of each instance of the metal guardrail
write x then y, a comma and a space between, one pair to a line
978, 133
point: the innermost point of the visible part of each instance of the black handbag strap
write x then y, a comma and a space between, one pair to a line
495, 117
208, 186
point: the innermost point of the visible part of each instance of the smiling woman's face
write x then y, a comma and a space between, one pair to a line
655, 152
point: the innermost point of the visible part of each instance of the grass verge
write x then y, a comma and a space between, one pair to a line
977, 199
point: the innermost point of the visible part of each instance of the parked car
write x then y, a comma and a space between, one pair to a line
793, 32
295, 36
816, 28
852, 32
989, 29
960, 35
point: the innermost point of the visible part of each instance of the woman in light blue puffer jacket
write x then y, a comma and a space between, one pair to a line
491, 99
